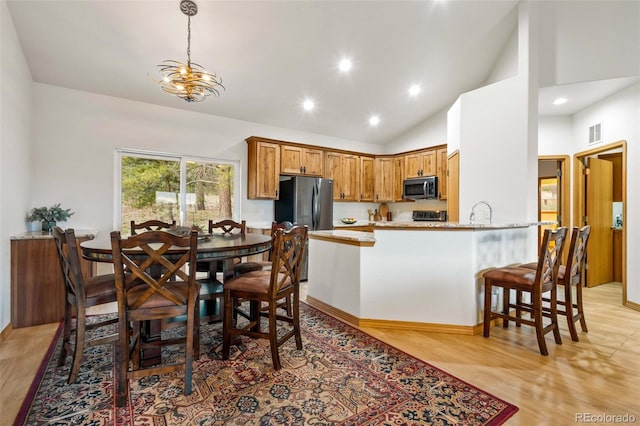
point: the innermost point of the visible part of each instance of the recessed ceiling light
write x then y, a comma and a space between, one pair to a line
344, 65
308, 104
374, 120
414, 90
560, 101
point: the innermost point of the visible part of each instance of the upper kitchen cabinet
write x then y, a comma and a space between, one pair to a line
296, 160
383, 168
398, 178
420, 163
367, 179
263, 173
441, 172
344, 170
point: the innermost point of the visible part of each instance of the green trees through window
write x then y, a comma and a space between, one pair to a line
189, 191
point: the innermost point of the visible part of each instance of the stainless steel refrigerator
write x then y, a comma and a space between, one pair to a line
307, 201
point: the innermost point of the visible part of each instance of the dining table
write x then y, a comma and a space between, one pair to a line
211, 248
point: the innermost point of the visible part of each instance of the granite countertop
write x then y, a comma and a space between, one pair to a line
348, 237
39, 235
455, 225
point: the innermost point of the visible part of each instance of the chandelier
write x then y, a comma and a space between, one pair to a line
189, 81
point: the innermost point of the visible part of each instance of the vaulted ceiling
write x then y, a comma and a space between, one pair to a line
272, 55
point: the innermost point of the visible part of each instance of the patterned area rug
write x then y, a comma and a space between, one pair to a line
341, 377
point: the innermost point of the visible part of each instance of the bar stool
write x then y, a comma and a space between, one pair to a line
571, 309
534, 282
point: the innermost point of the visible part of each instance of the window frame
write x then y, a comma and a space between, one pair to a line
119, 153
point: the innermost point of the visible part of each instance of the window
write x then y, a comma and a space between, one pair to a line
171, 187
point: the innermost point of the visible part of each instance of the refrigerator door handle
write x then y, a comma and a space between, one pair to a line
314, 207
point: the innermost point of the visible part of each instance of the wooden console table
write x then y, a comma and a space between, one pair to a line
37, 290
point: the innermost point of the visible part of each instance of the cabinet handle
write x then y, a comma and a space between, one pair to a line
304, 169
276, 193
300, 169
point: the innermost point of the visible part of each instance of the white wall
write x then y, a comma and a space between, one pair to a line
567, 135
507, 64
620, 118
493, 149
588, 40
15, 150
79, 131
431, 132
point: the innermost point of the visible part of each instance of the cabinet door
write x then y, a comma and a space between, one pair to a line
383, 176
312, 162
442, 172
412, 165
367, 190
263, 174
333, 170
291, 159
429, 167
350, 177
398, 180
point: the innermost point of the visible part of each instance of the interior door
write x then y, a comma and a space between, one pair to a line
598, 212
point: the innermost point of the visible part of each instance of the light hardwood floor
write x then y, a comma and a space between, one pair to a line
599, 375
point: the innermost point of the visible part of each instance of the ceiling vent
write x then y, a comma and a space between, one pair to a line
595, 134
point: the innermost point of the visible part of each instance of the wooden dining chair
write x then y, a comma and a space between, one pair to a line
167, 292
268, 287
569, 307
151, 225
80, 294
535, 283
265, 265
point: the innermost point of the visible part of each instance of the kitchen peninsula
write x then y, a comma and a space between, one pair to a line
413, 275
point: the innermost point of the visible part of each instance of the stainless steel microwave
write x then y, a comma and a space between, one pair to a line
422, 188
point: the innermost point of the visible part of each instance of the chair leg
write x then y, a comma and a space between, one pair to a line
578, 305
188, 348
554, 314
568, 312
537, 318
506, 293
518, 305
66, 334
273, 337
296, 320
227, 324
78, 350
123, 361
486, 323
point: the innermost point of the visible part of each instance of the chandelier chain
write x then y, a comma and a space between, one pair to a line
189, 40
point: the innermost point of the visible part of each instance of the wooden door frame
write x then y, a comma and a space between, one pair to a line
565, 198
578, 198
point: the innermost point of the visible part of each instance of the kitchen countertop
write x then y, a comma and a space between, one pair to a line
39, 235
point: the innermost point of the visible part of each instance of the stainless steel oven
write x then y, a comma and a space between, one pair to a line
422, 188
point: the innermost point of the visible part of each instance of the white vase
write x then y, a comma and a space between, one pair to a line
34, 226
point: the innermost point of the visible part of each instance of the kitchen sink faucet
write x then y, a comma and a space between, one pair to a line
472, 216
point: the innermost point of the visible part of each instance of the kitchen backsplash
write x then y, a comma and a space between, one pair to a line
400, 212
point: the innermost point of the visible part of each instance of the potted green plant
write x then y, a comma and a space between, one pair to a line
49, 216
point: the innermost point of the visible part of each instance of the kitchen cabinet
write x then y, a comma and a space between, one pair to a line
295, 160
344, 170
398, 178
37, 289
420, 163
367, 179
263, 173
383, 169
441, 172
